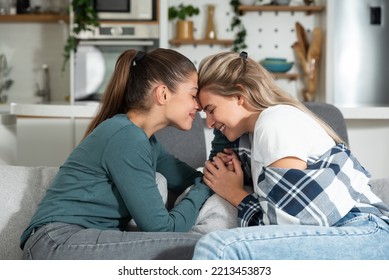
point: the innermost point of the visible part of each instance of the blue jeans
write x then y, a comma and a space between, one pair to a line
356, 236
65, 241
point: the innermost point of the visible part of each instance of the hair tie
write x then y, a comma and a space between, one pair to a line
243, 55
138, 57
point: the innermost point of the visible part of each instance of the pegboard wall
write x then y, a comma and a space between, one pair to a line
269, 34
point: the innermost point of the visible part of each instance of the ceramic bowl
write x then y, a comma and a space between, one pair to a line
282, 2
276, 65
247, 2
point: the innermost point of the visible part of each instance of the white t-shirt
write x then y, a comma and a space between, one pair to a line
285, 131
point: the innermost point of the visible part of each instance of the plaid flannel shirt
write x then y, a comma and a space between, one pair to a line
332, 185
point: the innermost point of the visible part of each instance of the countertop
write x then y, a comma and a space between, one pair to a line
79, 110
88, 110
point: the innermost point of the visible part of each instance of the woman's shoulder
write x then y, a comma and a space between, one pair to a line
120, 131
281, 113
281, 108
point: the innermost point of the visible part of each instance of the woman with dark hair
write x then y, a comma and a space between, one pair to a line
112, 176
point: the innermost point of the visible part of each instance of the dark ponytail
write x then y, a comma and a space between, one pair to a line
134, 76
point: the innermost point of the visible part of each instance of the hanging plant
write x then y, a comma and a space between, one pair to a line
85, 18
236, 24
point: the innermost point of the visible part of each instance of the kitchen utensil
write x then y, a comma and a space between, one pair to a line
301, 58
313, 58
302, 37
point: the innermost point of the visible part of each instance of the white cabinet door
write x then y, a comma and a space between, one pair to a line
44, 141
81, 124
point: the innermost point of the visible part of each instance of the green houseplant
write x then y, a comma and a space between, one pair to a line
184, 27
85, 18
236, 24
182, 12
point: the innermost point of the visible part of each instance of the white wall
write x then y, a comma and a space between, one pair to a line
269, 34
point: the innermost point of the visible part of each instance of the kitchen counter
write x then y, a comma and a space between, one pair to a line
79, 110
365, 113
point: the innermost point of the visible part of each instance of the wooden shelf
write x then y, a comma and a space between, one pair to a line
178, 42
288, 76
267, 8
34, 18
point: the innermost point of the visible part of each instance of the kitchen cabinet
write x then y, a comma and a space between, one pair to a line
43, 141
47, 141
46, 134
34, 18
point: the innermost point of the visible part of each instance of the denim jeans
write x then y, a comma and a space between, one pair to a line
356, 236
66, 241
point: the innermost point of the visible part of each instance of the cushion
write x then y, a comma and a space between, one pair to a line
380, 186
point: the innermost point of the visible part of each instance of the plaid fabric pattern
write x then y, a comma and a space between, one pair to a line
242, 148
331, 186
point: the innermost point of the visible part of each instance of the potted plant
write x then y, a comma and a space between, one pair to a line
85, 17
184, 27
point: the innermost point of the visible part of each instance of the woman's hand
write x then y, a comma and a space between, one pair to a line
226, 156
225, 180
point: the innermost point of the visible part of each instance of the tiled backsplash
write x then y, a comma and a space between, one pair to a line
27, 46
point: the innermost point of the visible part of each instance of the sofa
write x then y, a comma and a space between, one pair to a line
23, 187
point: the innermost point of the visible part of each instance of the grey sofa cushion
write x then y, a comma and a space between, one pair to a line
188, 146
331, 115
380, 187
21, 188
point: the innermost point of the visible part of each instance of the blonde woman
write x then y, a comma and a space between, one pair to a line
311, 196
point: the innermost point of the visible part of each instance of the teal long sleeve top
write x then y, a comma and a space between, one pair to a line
110, 178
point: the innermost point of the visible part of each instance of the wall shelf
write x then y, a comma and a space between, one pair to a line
286, 76
34, 18
265, 8
178, 42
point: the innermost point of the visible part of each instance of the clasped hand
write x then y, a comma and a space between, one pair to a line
224, 175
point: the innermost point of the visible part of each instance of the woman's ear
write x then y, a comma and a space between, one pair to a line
162, 94
240, 97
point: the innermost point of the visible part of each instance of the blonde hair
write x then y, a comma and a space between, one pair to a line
229, 74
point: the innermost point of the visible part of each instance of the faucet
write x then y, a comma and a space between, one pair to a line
6, 84
45, 90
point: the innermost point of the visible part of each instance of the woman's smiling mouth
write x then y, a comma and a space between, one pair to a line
222, 128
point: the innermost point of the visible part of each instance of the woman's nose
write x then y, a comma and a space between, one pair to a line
209, 121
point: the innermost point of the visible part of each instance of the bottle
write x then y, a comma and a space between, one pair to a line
12, 7
210, 32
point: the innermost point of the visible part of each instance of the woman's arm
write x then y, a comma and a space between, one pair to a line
290, 162
131, 165
218, 144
